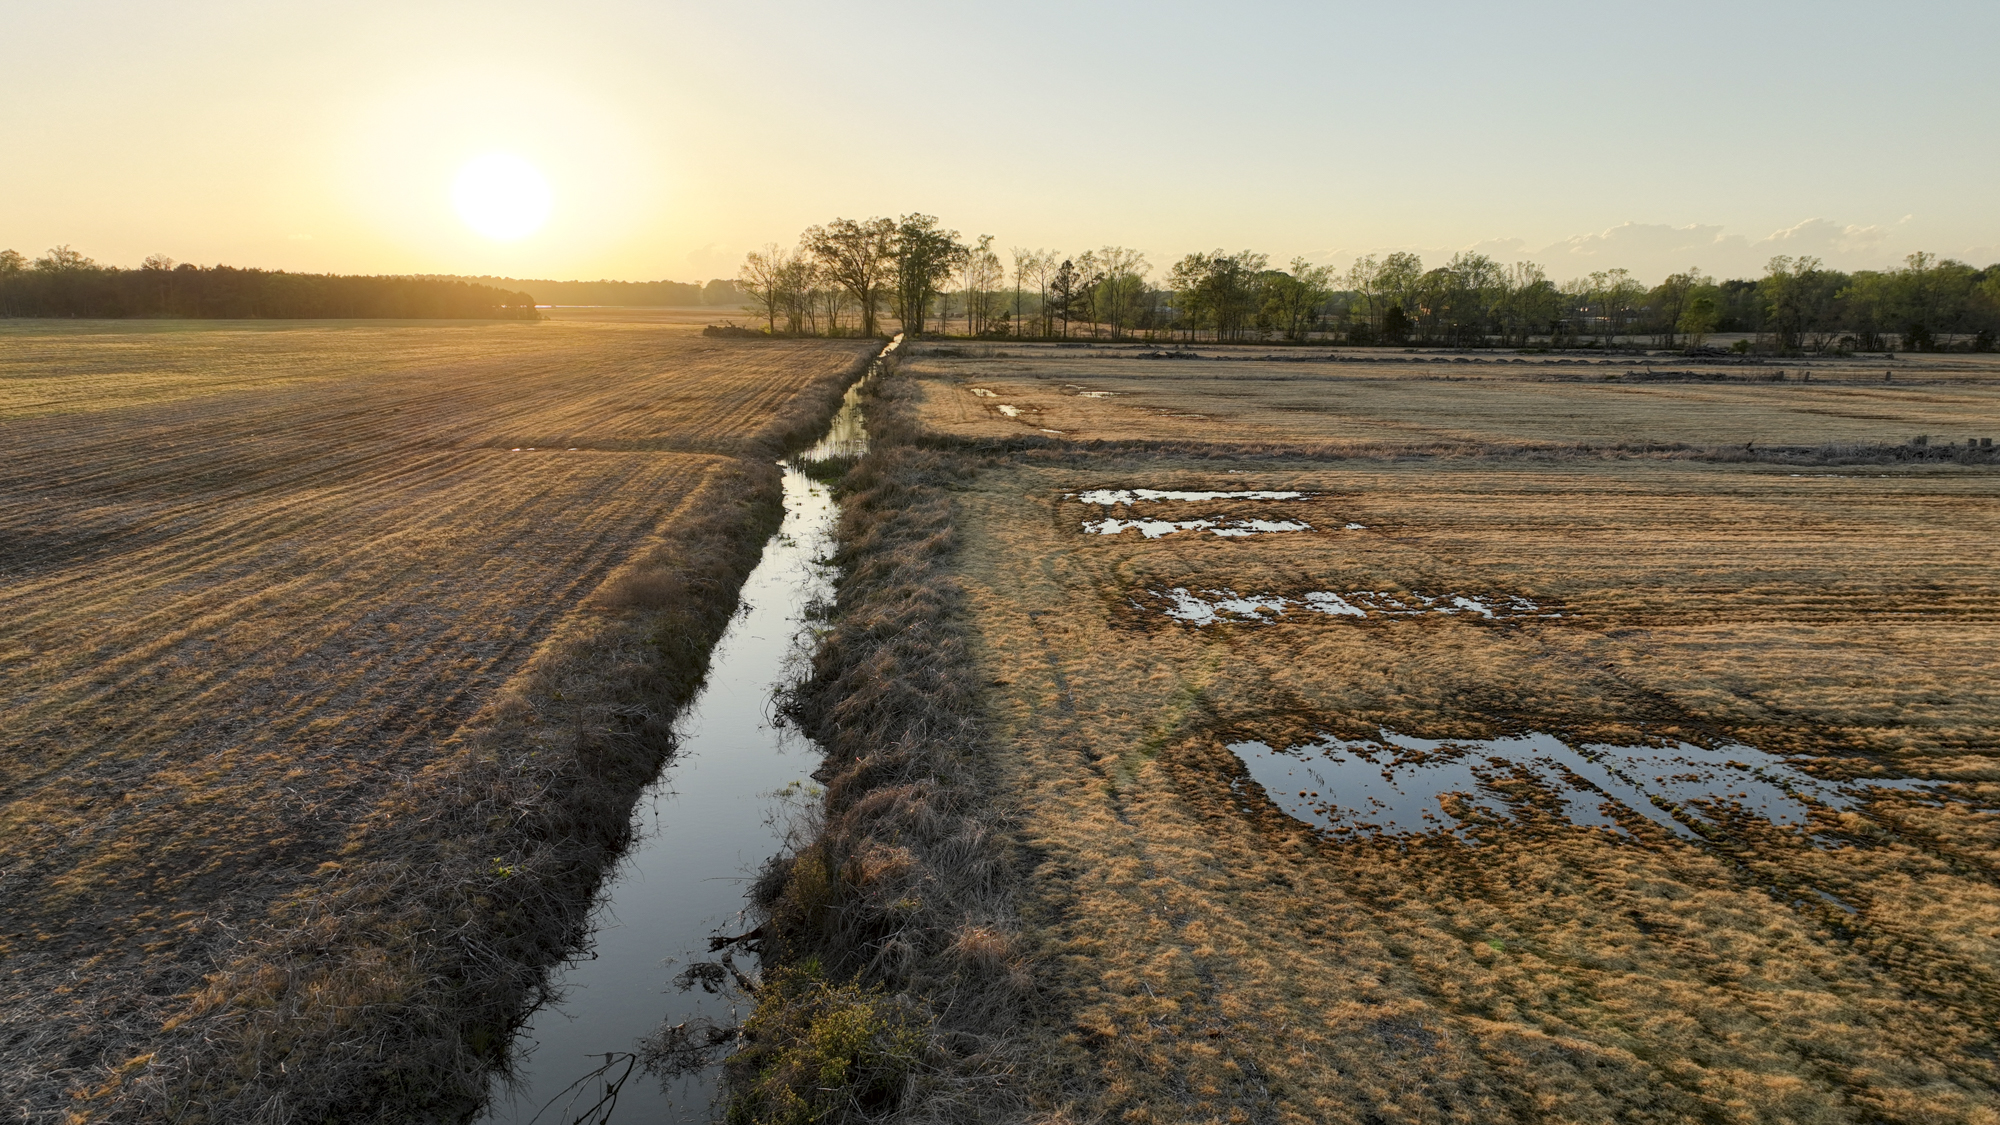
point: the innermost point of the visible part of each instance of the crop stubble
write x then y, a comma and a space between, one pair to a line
1315, 396
257, 578
1205, 957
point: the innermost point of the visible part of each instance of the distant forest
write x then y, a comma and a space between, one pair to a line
64, 283
719, 293
843, 276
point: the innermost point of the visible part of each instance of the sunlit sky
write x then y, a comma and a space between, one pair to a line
673, 137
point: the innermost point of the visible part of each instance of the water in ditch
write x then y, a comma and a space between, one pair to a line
705, 826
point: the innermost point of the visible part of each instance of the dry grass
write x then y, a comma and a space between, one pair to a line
1307, 398
1214, 962
326, 703
1199, 956
893, 973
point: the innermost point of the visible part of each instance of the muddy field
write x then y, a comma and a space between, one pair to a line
1421, 788
258, 579
1315, 395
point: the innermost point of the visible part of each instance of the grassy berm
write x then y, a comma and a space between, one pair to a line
1046, 887
334, 656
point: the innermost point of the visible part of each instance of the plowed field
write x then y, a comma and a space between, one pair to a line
1316, 396
1424, 784
254, 577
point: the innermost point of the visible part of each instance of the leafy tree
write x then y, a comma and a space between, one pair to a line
1618, 295
1799, 302
11, 262
1669, 300
1932, 297
62, 259
924, 256
1741, 305
1397, 280
1395, 325
1698, 318
1187, 280
1530, 303
1392, 289
1456, 301
65, 283
1229, 290
1295, 300
1063, 292
1360, 281
858, 258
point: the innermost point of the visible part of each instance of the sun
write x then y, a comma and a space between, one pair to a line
502, 196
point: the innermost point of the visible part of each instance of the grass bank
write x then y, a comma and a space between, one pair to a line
892, 973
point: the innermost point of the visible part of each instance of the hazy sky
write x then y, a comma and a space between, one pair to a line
675, 136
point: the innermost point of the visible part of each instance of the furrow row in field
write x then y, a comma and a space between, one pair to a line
447, 543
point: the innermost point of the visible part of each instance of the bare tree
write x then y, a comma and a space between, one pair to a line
982, 274
1025, 261
763, 277
1360, 281
796, 281
1046, 263
1122, 282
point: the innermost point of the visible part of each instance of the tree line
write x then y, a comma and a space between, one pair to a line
843, 278
65, 283
717, 293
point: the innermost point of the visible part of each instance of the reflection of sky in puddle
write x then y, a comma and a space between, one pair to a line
1010, 411
1397, 785
1219, 525
1110, 497
1207, 607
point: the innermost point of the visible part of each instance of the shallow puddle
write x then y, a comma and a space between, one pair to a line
1009, 411
1112, 497
1208, 607
1398, 785
1214, 525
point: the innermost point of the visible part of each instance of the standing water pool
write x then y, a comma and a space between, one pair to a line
703, 829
